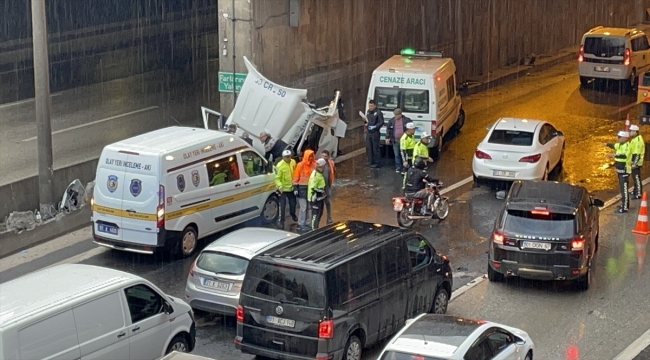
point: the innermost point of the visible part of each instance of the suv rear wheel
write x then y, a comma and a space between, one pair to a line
353, 349
584, 282
494, 276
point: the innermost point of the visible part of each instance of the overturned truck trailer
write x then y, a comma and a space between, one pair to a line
284, 113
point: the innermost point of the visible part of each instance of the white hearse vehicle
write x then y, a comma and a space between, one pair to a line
423, 85
75, 311
170, 187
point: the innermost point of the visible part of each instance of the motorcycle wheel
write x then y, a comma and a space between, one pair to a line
442, 211
403, 220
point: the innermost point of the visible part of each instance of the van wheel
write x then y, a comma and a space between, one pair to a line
440, 302
270, 211
438, 150
352, 349
179, 344
188, 241
461, 121
632, 81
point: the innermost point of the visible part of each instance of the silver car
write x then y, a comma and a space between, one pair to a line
215, 278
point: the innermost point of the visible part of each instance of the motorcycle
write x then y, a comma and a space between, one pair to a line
410, 210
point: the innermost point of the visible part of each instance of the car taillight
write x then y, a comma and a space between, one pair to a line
531, 158
482, 155
240, 313
192, 267
577, 244
628, 54
581, 54
160, 209
397, 201
497, 237
326, 329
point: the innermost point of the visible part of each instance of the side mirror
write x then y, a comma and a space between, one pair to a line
559, 133
501, 194
168, 308
597, 202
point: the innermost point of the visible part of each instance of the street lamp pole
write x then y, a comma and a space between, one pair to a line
43, 106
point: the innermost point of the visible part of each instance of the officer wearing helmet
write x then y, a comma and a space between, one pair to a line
421, 149
415, 182
637, 147
406, 145
623, 165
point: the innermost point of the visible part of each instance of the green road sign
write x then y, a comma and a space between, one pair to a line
225, 81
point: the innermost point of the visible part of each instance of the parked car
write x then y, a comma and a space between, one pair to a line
216, 276
437, 337
518, 149
611, 53
329, 293
545, 230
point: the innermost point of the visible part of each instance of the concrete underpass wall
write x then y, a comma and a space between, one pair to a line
339, 42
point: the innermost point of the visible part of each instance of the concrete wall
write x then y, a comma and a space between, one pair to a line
23, 195
339, 42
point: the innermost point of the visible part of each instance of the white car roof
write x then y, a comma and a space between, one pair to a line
510, 123
248, 242
53, 287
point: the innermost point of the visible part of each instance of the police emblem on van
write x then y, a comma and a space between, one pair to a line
180, 182
136, 187
196, 179
111, 184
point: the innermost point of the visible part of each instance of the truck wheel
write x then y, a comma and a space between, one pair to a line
271, 210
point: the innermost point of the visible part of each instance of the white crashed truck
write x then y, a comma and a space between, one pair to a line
284, 113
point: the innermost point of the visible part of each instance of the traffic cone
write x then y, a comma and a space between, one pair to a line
642, 221
627, 122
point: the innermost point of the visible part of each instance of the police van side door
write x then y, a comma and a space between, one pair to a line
225, 181
257, 184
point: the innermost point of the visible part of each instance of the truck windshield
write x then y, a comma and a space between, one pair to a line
604, 46
409, 100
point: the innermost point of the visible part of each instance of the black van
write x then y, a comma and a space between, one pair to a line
331, 292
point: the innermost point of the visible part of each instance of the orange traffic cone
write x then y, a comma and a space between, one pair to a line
627, 122
642, 221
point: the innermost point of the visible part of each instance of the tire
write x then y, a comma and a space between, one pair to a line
188, 242
584, 282
529, 356
270, 211
584, 81
437, 152
353, 349
442, 211
632, 81
403, 220
560, 164
179, 344
460, 121
494, 276
440, 302
596, 244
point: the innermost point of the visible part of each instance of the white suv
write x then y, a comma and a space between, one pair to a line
614, 54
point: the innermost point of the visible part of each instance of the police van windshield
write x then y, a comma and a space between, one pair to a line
604, 46
409, 100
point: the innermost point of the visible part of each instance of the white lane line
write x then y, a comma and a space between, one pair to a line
635, 348
467, 286
456, 185
97, 122
20, 102
621, 109
81, 257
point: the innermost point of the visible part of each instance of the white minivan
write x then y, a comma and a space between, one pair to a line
75, 311
170, 187
423, 85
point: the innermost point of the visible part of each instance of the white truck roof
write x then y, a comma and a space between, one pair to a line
168, 140
52, 287
413, 64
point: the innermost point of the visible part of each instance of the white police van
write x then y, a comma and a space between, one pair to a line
170, 187
423, 85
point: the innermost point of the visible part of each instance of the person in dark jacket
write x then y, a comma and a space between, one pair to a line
394, 130
273, 147
415, 181
374, 122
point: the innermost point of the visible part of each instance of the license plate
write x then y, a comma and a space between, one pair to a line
503, 173
107, 229
536, 245
601, 68
280, 321
398, 207
216, 284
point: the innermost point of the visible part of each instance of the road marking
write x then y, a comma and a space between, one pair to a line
635, 348
97, 122
467, 286
456, 185
621, 109
81, 257
20, 102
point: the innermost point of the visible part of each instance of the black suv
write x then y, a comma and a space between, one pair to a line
546, 230
331, 292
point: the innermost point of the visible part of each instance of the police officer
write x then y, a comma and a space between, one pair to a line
406, 145
316, 193
623, 160
638, 151
284, 186
421, 149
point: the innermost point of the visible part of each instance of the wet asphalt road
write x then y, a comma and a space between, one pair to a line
585, 116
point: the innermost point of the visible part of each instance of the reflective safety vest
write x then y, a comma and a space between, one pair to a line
638, 148
407, 142
421, 149
623, 157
